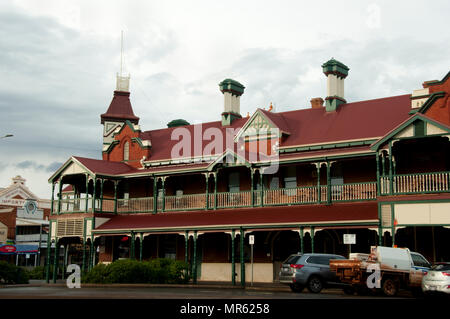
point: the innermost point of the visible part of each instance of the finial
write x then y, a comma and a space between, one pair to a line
270, 107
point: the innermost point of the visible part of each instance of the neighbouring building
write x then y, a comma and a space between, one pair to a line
23, 225
297, 181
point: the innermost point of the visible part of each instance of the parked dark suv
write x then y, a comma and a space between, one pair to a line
309, 270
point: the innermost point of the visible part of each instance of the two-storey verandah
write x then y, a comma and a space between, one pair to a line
213, 238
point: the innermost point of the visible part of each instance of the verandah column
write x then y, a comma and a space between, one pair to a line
116, 184
215, 190
163, 181
233, 265
312, 239
55, 260
102, 181
329, 182
49, 249
302, 247
59, 195
93, 193
252, 194
132, 246
194, 265
377, 158
242, 257
207, 191
318, 165
141, 245
87, 193
391, 182
155, 194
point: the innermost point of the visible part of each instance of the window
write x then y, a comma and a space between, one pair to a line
233, 182
126, 151
419, 261
274, 182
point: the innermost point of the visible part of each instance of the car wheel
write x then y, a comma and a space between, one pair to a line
315, 284
389, 287
296, 287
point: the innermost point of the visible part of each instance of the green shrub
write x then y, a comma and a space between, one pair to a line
37, 273
11, 274
133, 271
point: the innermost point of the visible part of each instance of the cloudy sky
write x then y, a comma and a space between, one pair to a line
59, 59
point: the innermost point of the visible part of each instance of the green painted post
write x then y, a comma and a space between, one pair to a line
186, 246
261, 180
328, 183
64, 261
102, 181
93, 194
318, 182
383, 165
132, 247
302, 247
91, 253
60, 196
391, 182
312, 239
378, 174
242, 257
53, 200
194, 266
49, 249
83, 265
87, 193
55, 260
252, 195
207, 191
215, 190
116, 184
155, 195
233, 264
141, 245
163, 180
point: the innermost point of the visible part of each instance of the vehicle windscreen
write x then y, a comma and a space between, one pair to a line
441, 267
292, 259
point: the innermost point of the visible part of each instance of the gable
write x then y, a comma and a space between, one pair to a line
258, 126
416, 126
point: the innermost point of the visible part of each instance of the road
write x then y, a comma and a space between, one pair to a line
62, 292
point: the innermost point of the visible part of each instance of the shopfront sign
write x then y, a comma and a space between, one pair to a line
8, 249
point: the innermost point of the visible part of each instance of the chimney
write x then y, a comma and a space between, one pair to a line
317, 103
336, 72
232, 91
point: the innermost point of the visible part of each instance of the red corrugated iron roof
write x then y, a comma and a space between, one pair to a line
105, 167
340, 213
352, 121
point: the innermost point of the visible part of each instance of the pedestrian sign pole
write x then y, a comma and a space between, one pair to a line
251, 240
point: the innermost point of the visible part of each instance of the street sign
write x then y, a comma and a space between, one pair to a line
349, 239
251, 239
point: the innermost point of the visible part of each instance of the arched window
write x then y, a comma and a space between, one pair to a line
126, 151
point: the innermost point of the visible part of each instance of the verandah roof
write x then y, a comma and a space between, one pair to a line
267, 217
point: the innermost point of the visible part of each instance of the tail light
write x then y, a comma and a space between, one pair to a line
425, 273
446, 273
296, 266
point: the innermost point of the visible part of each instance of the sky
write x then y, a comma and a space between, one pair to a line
59, 60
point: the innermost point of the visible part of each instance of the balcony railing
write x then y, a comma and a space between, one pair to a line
400, 184
416, 183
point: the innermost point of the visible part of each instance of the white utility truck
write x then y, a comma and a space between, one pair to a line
385, 268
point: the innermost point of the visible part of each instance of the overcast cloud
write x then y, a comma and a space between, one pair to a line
59, 59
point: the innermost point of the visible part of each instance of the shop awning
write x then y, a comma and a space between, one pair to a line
18, 249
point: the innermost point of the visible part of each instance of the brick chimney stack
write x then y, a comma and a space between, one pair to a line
316, 103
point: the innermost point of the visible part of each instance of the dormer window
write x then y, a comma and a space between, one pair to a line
126, 151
